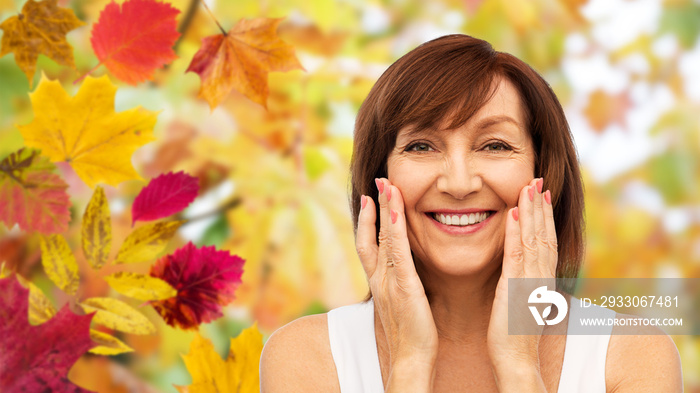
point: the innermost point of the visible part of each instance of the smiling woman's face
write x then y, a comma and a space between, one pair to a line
469, 173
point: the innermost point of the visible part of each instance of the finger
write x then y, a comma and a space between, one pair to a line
383, 238
512, 249
366, 238
399, 250
551, 231
543, 261
526, 209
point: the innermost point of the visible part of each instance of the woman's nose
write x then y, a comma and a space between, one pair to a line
459, 177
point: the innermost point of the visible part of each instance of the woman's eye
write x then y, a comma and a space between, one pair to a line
497, 146
419, 147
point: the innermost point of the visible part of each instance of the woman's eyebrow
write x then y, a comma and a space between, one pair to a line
493, 120
411, 132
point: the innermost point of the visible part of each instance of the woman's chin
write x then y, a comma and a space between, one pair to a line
461, 264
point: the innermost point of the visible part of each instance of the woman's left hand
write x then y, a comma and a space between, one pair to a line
530, 251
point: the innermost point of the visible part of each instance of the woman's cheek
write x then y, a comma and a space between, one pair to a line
507, 178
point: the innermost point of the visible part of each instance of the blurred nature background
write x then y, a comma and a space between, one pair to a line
274, 182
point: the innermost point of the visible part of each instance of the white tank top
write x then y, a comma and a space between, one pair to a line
354, 349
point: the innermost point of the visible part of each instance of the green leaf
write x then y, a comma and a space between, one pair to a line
683, 21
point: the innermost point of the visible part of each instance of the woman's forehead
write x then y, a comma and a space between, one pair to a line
504, 105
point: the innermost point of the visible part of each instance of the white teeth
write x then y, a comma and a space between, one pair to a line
463, 219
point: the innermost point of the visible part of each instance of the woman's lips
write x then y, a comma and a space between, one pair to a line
460, 230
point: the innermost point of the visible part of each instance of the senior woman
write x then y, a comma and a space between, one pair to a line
464, 174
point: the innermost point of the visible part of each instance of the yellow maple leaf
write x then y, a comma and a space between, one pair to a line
40, 28
241, 60
239, 373
86, 132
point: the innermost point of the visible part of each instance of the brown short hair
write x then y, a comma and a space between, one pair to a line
453, 76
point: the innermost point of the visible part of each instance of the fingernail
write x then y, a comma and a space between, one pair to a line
531, 193
363, 201
515, 213
539, 184
548, 197
380, 185
388, 193
394, 216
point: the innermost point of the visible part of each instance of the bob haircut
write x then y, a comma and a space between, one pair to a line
451, 78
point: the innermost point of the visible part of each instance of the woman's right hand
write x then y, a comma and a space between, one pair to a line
399, 296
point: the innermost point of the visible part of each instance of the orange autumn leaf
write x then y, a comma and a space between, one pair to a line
40, 28
241, 60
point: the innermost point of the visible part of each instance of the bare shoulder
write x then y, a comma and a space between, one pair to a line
297, 358
642, 359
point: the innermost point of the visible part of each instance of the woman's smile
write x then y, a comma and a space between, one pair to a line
460, 224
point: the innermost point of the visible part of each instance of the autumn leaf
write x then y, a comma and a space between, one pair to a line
146, 242
86, 132
108, 345
244, 359
40, 28
6, 5
97, 229
135, 39
604, 109
241, 60
31, 195
173, 148
163, 196
37, 358
139, 286
239, 373
40, 307
117, 315
59, 263
472, 5
205, 280
311, 38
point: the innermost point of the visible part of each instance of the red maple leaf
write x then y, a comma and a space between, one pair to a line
135, 40
37, 358
205, 279
165, 195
